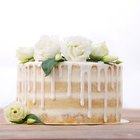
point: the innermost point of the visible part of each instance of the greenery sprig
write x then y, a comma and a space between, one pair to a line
49, 64
30, 119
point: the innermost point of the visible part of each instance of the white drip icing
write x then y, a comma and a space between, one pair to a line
28, 78
117, 103
82, 86
42, 89
60, 71
18, 83
98, 76
121, 86
112, 77
53, 84
105, 92
89, 92
86, 69
34, 84
69, 80
22, 79
25, 85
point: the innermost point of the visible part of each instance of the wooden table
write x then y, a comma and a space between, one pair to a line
129, 131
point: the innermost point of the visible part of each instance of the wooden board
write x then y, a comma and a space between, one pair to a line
128, 131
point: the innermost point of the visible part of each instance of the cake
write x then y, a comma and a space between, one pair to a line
79, 84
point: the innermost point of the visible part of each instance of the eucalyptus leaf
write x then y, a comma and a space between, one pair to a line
35, 118
30, 119
118, 62
94, 58
49, 64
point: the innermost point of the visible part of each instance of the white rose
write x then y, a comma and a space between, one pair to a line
24, 53
76, 48
99, 51
47, 47
16, 112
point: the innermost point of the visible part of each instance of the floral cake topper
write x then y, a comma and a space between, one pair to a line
51, 51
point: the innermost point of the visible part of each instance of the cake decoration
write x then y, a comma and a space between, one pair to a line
18, 113
51, 51
69, 81
25, 54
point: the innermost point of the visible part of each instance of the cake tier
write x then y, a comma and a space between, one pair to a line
74, 92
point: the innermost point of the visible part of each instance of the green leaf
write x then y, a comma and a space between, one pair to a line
94, 58
118, 62
49, 64
33, 117
30, 119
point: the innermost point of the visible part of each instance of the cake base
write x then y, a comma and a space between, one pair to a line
122, 121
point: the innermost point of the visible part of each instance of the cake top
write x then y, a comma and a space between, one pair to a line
50, 50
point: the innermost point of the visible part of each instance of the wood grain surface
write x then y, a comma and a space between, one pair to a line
129, 131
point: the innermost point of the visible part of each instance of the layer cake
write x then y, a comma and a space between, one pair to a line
74, 92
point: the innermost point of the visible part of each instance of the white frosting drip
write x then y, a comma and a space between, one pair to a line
121, 86
42, 89
60, 71
18, 83
22, 70
34, 84
69, 80
98, 76
112, 77
86, 69
105, 92
117, 95
28, 78
89, 92
53, 84
82, 85
25, 85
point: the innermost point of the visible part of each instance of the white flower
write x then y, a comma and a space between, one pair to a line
47, 47
76, 48
16, 112
24, 53
99, 51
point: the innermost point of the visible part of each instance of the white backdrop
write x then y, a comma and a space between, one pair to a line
117, 22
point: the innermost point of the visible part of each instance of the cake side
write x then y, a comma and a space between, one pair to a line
74, 92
